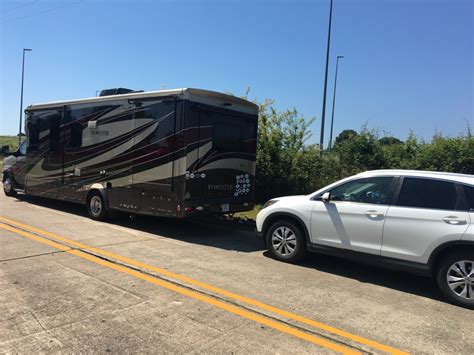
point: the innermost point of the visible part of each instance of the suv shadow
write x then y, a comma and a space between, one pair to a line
397, 280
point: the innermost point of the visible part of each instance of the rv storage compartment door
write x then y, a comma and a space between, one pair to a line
122, 156
154, 153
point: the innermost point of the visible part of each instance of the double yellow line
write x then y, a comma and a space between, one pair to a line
78, 249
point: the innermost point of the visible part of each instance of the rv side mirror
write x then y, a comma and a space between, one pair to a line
326, 197
5, 150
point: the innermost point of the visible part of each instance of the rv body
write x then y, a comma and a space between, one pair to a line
173, 153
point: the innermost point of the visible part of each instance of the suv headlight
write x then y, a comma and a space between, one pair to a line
269, 203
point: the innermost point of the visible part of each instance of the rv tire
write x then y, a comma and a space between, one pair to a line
8, 187
96, 207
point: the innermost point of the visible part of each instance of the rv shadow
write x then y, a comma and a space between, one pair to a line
397, 280
232, 237
206, 232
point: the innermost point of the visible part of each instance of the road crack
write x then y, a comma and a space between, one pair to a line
33, 256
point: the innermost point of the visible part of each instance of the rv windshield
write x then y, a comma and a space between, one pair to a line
22, 147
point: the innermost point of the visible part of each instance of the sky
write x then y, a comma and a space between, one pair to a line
407, 66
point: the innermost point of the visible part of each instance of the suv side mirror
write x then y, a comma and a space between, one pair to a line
5, 150
326, 197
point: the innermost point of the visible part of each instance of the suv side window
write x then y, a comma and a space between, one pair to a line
469, 192
427, 193
371, 190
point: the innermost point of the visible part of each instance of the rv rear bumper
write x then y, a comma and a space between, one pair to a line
195, 208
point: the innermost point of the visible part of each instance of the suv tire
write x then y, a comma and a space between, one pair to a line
286, 241
455, 277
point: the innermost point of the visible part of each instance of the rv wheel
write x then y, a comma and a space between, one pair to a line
96, 206
8, 188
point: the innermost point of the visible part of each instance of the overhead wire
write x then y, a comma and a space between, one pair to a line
42, 12
18, 7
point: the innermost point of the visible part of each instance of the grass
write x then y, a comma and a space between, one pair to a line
12, 142
249, 214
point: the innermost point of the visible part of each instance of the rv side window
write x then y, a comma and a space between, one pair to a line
54, 131
76, 134
33, 133
227, 137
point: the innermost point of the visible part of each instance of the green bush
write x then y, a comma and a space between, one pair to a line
287, 165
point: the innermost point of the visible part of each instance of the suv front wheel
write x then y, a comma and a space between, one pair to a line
456, 278
286, 242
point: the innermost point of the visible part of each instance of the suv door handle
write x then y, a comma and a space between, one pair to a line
373, 214
454, 220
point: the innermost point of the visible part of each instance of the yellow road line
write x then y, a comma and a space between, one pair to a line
255, 303
192, 294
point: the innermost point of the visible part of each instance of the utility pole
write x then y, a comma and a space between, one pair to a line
334, 101
323, 114
21, 98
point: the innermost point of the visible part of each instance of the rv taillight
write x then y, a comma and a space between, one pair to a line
188, 209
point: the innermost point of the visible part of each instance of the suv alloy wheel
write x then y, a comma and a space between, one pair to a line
286, 241
456, 278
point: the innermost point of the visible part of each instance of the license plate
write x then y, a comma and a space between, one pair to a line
225, 207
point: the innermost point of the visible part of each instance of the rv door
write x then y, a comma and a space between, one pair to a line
44, 152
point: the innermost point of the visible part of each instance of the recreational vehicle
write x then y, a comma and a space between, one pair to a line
175, 153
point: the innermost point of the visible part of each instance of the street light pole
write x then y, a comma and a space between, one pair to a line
334, 100
323, 114
21, 98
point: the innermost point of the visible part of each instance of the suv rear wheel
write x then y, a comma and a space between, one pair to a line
286, 242
456, 278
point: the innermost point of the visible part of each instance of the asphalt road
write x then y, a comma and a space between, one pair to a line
71, 284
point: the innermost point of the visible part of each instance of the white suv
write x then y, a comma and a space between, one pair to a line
417, 221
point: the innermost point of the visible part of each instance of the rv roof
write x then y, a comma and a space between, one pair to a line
198, 95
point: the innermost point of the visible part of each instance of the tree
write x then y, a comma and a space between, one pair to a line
360, 152
389, 141
345, 135
283, 159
